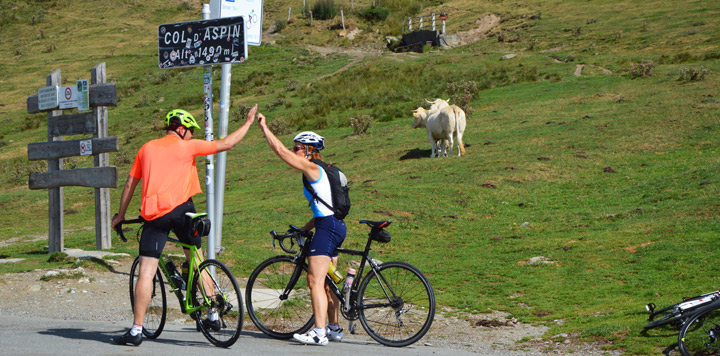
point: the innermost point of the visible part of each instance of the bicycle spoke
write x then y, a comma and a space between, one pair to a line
274, 315
397, 310
221, 296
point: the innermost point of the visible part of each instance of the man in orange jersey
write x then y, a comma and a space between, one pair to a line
169, 177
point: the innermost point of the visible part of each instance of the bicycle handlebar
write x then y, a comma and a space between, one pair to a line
118, 227
294, 233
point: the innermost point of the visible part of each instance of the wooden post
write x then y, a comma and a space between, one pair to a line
289, 8
103, 237
56, 237
433, 21
342, 17
409, 23
311, 18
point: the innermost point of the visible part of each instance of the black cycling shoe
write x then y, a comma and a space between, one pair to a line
214, 325
126, 338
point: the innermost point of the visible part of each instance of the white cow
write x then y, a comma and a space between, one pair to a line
441, 121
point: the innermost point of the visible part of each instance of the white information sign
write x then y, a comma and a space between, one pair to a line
251, 10
85, 147
68, 97
48, 98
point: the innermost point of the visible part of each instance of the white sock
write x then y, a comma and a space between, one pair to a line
213, 314
334, 327
320, 331
136, 329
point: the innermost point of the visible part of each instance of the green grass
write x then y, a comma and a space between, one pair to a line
616, 177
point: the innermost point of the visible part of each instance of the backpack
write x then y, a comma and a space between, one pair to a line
339, 190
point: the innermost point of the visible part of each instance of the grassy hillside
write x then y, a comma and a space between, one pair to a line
611, 176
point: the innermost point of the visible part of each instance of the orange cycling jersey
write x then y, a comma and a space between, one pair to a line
168, 172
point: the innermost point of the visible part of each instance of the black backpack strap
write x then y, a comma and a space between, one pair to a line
310, 189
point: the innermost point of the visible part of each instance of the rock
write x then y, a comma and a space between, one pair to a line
508, 56
11, 260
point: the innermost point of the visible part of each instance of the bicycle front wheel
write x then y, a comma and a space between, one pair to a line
397, 304
273, 313
216, 287
700, 334
156, 311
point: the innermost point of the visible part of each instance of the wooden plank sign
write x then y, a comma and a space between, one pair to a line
97, 177
61, 149
103, 94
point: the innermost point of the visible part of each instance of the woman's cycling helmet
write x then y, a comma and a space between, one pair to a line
310, 138
178, 117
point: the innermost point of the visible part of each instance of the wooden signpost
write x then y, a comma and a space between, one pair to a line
53, 98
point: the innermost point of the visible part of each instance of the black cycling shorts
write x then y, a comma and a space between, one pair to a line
155, 232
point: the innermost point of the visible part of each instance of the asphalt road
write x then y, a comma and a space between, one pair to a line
39, 336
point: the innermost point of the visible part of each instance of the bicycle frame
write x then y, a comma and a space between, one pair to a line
185, 303
348, 306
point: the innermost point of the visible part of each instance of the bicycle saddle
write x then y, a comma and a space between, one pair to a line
377, 224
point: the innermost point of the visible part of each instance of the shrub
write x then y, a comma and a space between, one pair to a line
292, 85
374, 13
324, 10
461, 93
360, 124
279, 126
642, 69
693, 74
280, 25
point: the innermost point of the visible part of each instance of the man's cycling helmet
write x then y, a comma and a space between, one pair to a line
310, 138
178, 117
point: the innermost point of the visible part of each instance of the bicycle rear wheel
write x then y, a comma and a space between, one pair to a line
156, 312
397, 305
275, 315
224, 297
700, 333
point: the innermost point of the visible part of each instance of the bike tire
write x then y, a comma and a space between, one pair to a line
406, 319
276, 317
225, 298
700, 333
156, 313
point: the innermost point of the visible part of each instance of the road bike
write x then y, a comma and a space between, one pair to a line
217, 290
676, 314
700, 333
394, 302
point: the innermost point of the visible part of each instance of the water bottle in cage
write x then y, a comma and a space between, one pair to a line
347, 288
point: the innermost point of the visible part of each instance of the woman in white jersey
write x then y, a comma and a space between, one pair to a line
329, 231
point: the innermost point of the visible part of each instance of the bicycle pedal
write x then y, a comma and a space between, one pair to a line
650, 307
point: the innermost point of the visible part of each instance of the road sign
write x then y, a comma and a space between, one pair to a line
48, 98
251, 10
204, 42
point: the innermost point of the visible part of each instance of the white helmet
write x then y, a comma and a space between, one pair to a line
310, 138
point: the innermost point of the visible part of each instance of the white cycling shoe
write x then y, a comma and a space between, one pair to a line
311, 338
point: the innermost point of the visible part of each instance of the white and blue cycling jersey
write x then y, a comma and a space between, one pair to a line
322, 189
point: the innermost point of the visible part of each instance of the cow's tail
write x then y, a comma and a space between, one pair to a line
461, 146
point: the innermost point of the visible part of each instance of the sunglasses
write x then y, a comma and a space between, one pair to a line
298, 148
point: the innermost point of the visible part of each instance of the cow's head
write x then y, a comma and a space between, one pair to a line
420, 115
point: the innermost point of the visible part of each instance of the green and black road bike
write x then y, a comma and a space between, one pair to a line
209, 286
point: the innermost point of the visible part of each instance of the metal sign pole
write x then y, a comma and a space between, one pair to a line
209, 160
222, 156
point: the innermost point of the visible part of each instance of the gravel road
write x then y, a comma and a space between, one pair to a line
100, 295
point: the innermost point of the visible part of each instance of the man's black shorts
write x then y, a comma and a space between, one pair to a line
155, 232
